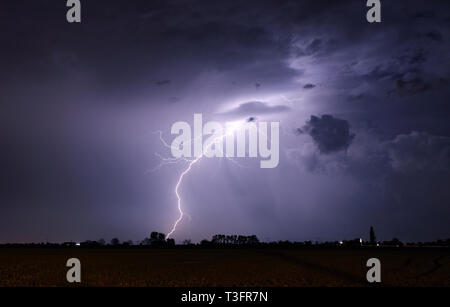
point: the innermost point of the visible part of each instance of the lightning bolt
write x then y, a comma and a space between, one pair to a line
180, 179
192, 162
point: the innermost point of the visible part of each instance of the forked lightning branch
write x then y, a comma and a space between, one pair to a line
236, 139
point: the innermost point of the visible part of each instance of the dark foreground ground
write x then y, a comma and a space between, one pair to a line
223, 267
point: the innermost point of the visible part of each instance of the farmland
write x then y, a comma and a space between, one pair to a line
223, 267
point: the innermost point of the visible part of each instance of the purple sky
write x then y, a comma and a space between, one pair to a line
79, 105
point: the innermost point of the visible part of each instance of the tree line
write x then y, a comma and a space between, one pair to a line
159, 240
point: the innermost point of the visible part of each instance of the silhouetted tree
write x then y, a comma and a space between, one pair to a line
89, 243
218, 239
146, 241
154, 236
241, 240
170, 242
128, 243
115, 241
161, 237
234, 239
373, 238
157, 239
395, 242
205, 243
252, 240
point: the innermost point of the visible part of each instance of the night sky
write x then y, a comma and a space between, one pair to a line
363, 109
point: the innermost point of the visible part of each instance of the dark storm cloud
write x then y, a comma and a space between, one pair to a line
434, 35
410, 87
162, 82
255, 108
309, 86
329, 133
414, 153
407, 62
419, 151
